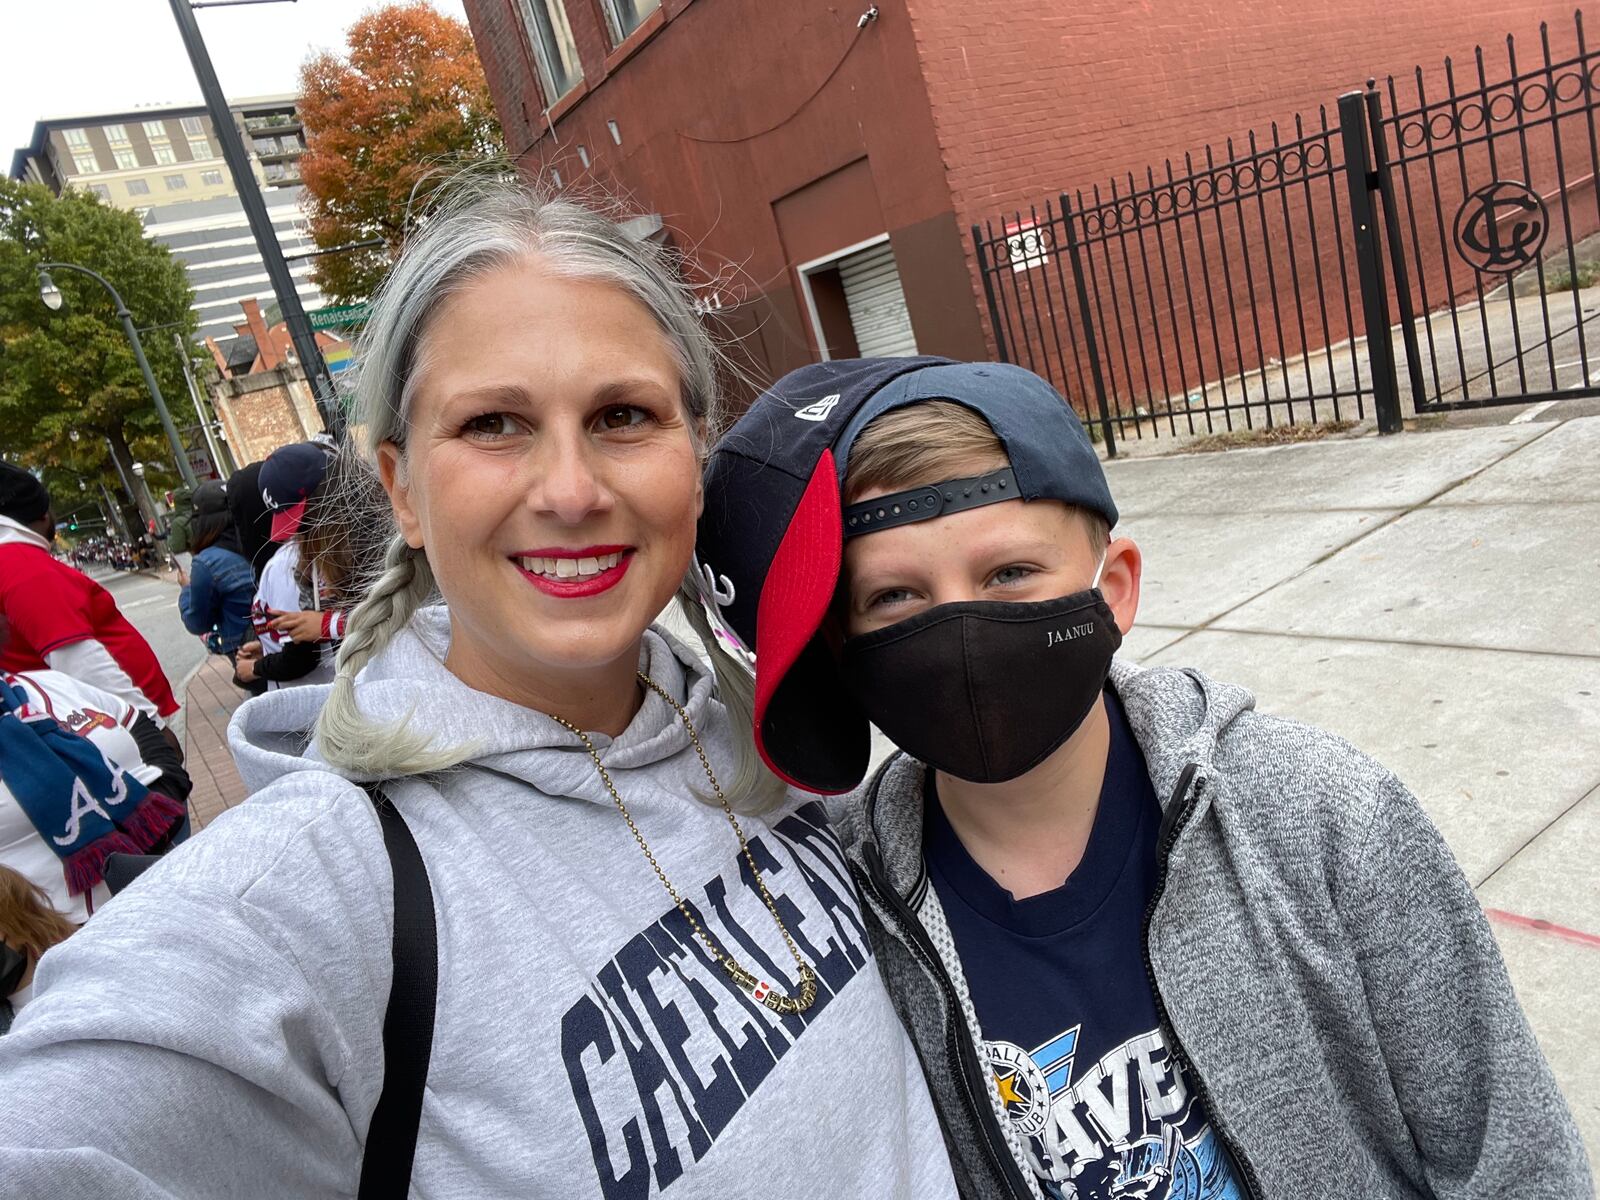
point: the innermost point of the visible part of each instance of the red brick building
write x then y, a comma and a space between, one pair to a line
825, 175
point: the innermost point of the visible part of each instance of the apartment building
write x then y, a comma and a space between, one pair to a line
165, 164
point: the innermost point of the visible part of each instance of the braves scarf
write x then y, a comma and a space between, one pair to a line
84, 806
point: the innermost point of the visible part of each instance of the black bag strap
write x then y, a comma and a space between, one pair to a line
408, 1020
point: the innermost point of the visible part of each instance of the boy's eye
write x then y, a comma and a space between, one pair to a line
491, 426
1009, 575
888, 597
622, 416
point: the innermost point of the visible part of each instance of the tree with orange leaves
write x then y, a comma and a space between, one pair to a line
408, 103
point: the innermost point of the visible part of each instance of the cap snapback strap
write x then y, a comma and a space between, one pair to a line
930, 500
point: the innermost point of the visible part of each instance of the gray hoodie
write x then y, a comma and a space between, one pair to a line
1322, 970
216, 1030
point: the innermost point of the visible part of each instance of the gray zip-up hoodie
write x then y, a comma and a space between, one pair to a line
1322, 970
216, 1030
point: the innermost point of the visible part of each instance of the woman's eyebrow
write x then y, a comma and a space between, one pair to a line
618, 390
512, 395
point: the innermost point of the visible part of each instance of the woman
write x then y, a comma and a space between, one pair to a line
216, 595
636, 988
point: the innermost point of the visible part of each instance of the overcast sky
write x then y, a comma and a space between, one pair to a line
90, 56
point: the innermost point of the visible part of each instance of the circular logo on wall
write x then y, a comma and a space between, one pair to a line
1501, 227
1022, 1086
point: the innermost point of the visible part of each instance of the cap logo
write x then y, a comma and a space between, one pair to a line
820, 410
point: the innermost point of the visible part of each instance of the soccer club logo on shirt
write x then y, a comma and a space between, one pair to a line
1122, 1128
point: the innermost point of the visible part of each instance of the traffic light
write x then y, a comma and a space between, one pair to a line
74, 525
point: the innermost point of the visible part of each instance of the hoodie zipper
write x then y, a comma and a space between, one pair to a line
957, 1042
1172, 823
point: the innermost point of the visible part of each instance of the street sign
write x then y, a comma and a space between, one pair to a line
337, 315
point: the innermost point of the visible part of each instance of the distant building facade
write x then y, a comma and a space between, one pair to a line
260, 393
166, 165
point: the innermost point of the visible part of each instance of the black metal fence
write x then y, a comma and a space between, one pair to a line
1222, 292
1495, 196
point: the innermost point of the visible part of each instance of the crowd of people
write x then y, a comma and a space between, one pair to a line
140, 554
89, 767
532, 897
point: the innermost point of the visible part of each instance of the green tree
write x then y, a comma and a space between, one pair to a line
69, 383
409, 104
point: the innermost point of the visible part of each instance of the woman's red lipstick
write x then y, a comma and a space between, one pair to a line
576, 586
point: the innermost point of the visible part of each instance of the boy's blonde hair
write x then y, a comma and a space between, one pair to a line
931, 442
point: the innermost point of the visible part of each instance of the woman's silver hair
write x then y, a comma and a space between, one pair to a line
481, 226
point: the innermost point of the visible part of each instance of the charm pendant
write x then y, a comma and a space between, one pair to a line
765, 994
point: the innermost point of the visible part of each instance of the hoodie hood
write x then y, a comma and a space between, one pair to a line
1177, 716
15, 533
408, 682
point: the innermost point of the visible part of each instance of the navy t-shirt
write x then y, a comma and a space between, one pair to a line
1066, 1009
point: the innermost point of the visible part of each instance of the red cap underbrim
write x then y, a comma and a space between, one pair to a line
286, 521
796, 594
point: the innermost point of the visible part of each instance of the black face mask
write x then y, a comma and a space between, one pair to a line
985, 690
13, 966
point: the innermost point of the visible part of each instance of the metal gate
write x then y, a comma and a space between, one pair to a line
1222, 292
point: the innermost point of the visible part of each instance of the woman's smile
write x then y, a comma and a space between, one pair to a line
575, 574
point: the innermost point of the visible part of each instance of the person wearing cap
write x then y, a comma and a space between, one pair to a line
296, 615
60, 618
217, 590
1148, 940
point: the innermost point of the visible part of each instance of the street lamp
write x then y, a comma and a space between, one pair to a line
51, 295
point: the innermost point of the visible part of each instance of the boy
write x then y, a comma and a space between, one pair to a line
1148, 941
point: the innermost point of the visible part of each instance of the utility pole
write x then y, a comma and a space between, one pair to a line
255, 210
199, 409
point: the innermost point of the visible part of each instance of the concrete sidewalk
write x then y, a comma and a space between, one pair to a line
1435, 599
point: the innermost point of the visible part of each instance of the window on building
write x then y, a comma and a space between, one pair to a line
624, 16
138, 187
266, 145
78, 139
192, 127
101, 190
553, 48
156, 131
163, 152
175, 183
84, 162
126, 158
117, 135
199, 148
211, 178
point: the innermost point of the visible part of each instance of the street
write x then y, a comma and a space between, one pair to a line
150, 603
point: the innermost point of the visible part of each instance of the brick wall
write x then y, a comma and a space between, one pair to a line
265, 410
1033, 97
733, 114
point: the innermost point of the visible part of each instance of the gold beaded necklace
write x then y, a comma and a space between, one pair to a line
759, 989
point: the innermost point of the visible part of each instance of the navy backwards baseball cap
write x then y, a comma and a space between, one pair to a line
771, 538
288, 478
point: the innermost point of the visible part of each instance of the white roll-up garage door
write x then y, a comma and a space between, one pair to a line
877, 304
